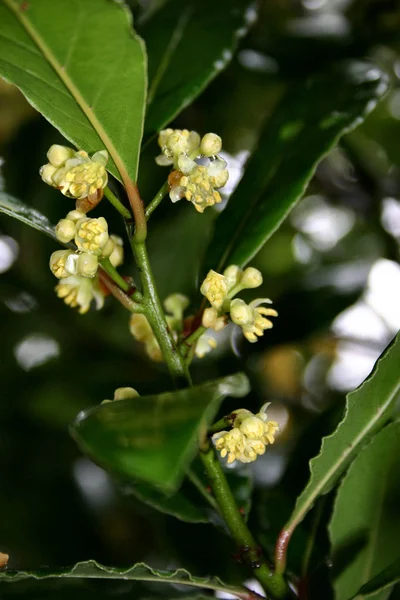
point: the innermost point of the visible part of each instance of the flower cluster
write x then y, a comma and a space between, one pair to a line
77, 269
78, 176
220, 291
175, 306
249, 436
198, 183
74, 173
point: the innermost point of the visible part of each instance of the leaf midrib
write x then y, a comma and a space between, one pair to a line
70, 85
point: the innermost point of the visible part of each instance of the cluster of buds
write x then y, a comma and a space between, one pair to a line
175, 306
123, 393
220, 289
198, 183
75, 174
249, 436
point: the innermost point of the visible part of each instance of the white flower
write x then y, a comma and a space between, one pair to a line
175, 143
215, 288
211, 144
249, 436
77, 291
91, 235
75, 174
252, 318
199, 183
58, 263
204, 345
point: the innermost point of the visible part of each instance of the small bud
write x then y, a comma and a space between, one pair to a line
75, 215
58, 155
241, 313
234, 275
117, 255
252, 278
211, 144
87, 265
125, 393
65, 230
210, 317
46, 173
176, 304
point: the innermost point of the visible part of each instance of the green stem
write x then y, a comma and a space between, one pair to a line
250, 551
163, 191
115, 276
155, 315
125, 212
187, 344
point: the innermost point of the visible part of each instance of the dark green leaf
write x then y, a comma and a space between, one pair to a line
365, 525
153, 438
368, 408
386, 579
18, 210
82, 66
303, 129
194, 502
139, 572
189, 43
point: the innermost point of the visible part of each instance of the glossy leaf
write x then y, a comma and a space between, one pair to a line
193, 502
12, 207
305, 126
153, 438
365, 525
188, 44
139, 572
386, 579
81, 65
368, 408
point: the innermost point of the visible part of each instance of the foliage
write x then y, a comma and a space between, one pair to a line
308, 128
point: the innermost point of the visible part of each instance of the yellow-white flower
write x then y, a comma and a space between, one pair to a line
75, 174
212, 320
117, 255
77, 291
199, 183
249, 436
58, 263
141, 330
91, 235
215, 288
252, 318
211, 144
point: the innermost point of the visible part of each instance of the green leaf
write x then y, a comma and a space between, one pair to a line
139, 572
153, 438
368, 408
194, 502
386, 579
12, 207
365, 525
188, 44
81, 65
305, 126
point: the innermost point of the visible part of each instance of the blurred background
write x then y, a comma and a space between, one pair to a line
331, 270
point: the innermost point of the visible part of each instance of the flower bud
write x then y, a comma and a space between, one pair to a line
252, 278
211, 144
65, 230
241, 313
210, 316
117, 255
175, 304
75, 215
46, 173
87, 265
58, 155
234, 275
58, 264
125, 393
